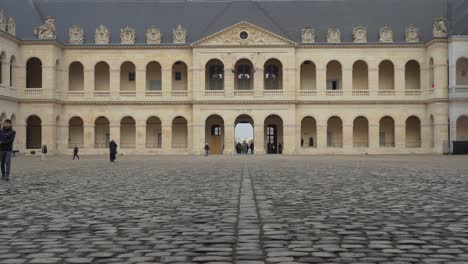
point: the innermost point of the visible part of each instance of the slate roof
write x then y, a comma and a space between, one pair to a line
205, 17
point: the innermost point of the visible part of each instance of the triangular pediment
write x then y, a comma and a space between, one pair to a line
244, 34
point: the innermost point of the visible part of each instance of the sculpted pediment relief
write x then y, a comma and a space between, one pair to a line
244, 34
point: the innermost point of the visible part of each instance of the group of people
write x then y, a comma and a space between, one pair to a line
244, 148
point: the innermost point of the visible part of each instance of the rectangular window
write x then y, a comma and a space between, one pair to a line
178, 76
333, 85
131, 76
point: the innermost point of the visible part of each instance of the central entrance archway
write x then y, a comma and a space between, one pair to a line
273, 134
243, 132
214, 134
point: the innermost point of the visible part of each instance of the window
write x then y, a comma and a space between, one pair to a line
311, 142
178, 76
131, 76
216, 130
244, 35
333, 85
216, 77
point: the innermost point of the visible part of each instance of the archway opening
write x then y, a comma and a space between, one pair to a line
153, 76
412, 75
335, 132
243, 132
102, 77
273, 75
462, 71
75, 132
214, 75
179, 76
34, 73
101, 133
360, 76
462, 128
179, 132
127, 76
273, 133
334, 76
413, 132
244, 77
386, 75
308, 132
308, 76
214, 134
387, 132
3, 64
76, 77
361, 132
33, 132
153, 132
127, 132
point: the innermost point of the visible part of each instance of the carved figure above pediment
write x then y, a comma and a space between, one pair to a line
412, 34
333, 35
360, 34
2, 20
127, 35
386, 34
440, 28
101, 36
180, 35
153, 35
75, 35
11, 26
47, 30
308, 35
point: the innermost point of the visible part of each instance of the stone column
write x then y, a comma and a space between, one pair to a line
425, 135
166, 79
259, 139
289, 139
6, 73
373, 81
89, 83
322, 136
140, 82
115, 83
400, 81
441, 80
229, 138
48, 135
190, 82
89, 135
347, 81
20, 139
374, 131
199, 83
229, 82
140, 133
19, 79
166, 129
190, 138
114, 130
321, 80
258, 82
348, 135
48, 82
400, 135
63, 136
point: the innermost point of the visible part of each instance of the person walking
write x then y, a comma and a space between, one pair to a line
112, 150
44, 152
75, 153
245, 148
207, 149
7, 137
280, 148
252, 147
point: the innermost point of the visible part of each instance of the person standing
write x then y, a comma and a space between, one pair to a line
252, 147
207, 149
112, 150
75, 152
44, 152
280, 148
7, 137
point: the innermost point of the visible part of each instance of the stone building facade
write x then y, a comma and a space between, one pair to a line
332, 88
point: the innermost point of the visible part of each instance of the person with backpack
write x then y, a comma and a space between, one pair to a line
44, 152
207, 149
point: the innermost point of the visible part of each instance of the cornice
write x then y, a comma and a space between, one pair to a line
361, 45
458, 38
9, 37
436, 41
8, 98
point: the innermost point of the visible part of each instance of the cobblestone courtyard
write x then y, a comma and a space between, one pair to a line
257, 209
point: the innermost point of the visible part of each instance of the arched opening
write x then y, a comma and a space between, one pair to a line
102, 77
214, 134
432, 131
462, 128
335, 132
413, 132
13, 120
2, 119
273, 132
153, 76
75, 132
412, 75
308, 132
76, 77
57, 75
462, 71
33, 132
179, 75
127, 76
387, 132
153, 132
34, 73
179, 132
431, 73
101, 132
360, 75
57, 132
334, 76
273, 75
308, 76
12, 70
243, 132
361, 132
127, 132
3, 60
386, 75
214, 75
243, 75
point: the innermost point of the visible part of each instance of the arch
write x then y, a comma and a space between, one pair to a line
57, 75
412, 75
12, 70
34, 73
273, 133
127, 76
101, 76
13, 119
153, 76
431, 73
386, 75
127, 132
387, 132
179, 76
462, 71
33, 132
75, 132
361, 132
214, 133
3, 60
3, 117
153, 132
413, 132
101, 132
334, 75
462, 128
335, 132
308, 76
76, 76
273, 75
243, 131
179, 132
214, 75
432, 131
243, 75
360, 75
308, 132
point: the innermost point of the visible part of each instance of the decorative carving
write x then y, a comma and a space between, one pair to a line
308, 35
76, 35
440, 28
333, 35
102, 35
386, 34
47, 30
180, 35
2, 20
11, 26
360, 34
412, 34
127, 35
153, 35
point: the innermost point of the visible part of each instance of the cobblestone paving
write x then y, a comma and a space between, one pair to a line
252, 210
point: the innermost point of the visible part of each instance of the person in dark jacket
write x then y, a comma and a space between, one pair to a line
44, 152
280, 148
252, 147
112, 150
207, 149
7, 137
75, 152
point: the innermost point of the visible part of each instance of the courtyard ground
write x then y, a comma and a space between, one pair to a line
234, 209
